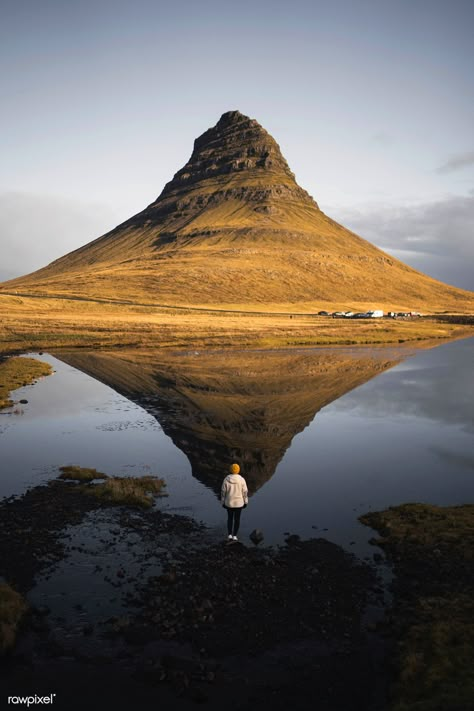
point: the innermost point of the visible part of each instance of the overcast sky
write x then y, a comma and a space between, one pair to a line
371, 101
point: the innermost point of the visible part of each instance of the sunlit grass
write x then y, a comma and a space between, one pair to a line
76, 473
41, 323
129, 491
17, 372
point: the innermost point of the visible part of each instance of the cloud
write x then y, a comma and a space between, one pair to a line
456, 162
36, 229
437, 237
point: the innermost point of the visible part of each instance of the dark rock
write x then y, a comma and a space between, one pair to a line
256, 536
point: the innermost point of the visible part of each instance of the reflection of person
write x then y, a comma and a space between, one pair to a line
234, 498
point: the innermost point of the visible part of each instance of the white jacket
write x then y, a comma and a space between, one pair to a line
234, 493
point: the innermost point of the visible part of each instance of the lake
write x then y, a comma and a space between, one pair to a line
322, 435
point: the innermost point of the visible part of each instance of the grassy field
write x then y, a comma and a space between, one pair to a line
17, 372
29, 323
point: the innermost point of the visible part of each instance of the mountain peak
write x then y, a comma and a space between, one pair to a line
237, 144
232, 117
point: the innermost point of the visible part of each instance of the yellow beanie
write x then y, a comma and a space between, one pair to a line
234, 469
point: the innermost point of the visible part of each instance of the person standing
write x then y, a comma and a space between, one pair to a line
234, 498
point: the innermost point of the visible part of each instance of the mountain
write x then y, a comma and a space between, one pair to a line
234, 227
225, 406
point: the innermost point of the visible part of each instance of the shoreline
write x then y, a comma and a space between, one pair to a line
205, 617
214, 616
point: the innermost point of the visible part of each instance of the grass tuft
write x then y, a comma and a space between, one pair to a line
76, 473
12, 608
116, 490
130, 491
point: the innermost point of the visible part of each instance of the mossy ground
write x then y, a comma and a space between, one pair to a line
433, 550
129, 491
12, 608
17, 372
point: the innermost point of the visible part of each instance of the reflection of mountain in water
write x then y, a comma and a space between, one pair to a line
234, 406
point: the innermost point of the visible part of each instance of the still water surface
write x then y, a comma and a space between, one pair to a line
322, 435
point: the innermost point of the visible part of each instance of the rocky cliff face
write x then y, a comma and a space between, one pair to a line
234, 227
235, 160
235, 144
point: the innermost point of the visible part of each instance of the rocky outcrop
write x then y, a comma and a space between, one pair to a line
238, 149
235, 144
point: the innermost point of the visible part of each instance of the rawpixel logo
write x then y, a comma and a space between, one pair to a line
31, 700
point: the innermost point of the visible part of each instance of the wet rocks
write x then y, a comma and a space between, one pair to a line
255, 599
253, 609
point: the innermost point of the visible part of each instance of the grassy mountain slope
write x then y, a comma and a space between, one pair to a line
233, 227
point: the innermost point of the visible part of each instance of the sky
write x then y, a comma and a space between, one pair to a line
371, 101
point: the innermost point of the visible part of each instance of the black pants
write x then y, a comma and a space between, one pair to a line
233, 520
